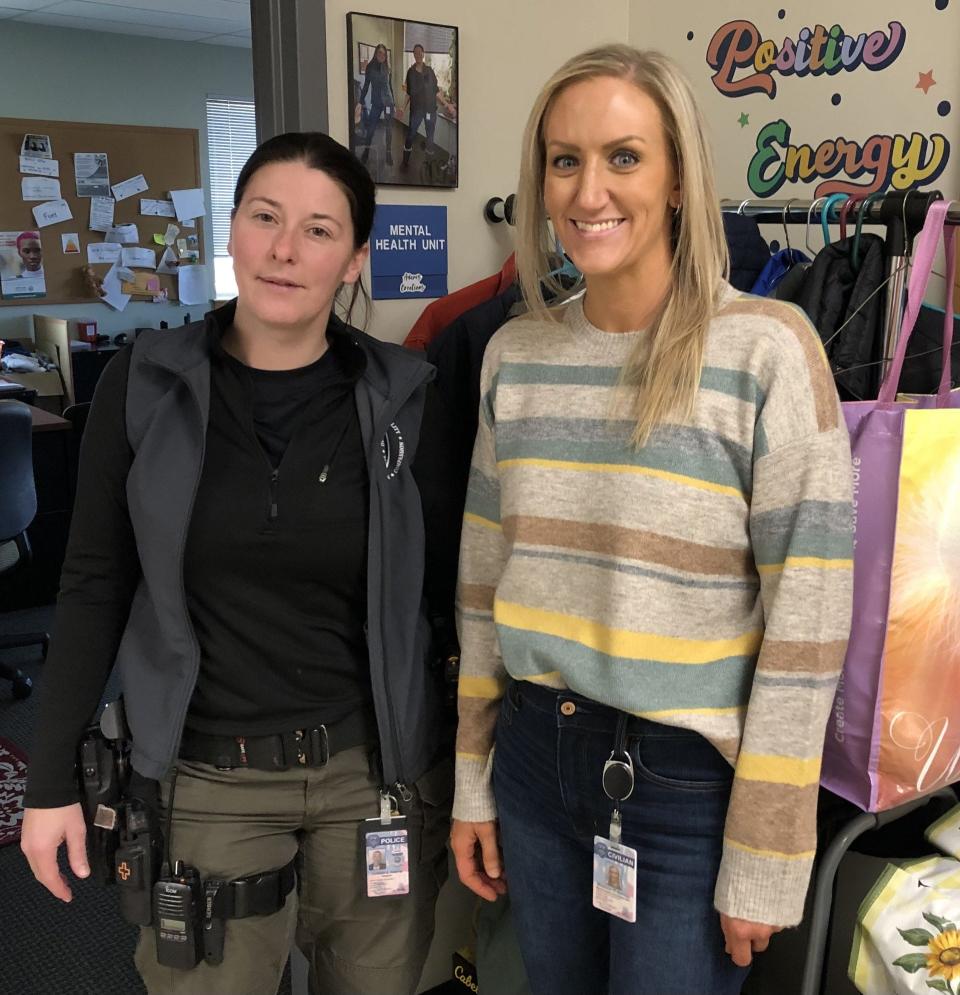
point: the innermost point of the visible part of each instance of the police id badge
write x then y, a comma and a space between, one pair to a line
387, 857
615, 879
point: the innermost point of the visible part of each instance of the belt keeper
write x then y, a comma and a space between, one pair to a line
241, 889
319, 746
242, 743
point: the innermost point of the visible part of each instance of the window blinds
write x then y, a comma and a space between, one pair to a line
231, 138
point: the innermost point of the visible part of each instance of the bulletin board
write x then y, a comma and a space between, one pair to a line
168, 158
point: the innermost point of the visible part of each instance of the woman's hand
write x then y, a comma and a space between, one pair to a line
745, 938
477, 853
44, 829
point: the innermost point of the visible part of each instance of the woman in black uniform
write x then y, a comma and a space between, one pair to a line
377, 80
248, 546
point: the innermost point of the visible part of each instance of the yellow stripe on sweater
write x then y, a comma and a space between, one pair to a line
778, 770
484, 523
623, 642
646, 471
481, 687
541, 678
661, 713
774, 854
805, 563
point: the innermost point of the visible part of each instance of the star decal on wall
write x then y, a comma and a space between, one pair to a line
744, 120
925, 81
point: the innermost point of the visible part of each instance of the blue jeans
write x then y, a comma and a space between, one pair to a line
547, 780
373, 119
429, 121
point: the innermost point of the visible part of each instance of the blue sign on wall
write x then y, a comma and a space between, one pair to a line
408, 252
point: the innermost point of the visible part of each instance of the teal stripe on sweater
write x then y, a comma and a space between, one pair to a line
546, 374
483, 496
812, 528
636, 685
670, 448
689, 464
735, 383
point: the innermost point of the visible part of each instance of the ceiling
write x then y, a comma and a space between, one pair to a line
215, 22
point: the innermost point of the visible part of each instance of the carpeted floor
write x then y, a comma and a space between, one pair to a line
46, 947
13, 781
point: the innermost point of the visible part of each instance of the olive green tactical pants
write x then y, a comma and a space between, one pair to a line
231, 823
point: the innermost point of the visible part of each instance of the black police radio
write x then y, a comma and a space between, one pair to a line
178, 917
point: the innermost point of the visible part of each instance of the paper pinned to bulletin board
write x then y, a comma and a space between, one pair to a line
408, 252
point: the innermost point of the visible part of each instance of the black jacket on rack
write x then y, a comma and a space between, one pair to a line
749, 253
457, 353
922, 364
846, 306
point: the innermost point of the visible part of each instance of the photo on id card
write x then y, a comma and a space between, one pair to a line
615, 879
387, 859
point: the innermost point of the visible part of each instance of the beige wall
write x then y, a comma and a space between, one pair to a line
507, 50
882, 102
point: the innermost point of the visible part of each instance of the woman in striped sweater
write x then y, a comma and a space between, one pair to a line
655, 568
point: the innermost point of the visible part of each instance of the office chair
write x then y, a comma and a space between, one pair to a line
18, 505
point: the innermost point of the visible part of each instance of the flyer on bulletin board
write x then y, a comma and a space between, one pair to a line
21, 265
408, 252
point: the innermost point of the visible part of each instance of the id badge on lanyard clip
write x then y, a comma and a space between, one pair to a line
386, 851
615, 865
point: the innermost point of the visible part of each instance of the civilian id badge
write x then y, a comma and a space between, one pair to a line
615, 874
386, 851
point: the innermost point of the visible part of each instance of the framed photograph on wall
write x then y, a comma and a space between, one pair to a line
402, 94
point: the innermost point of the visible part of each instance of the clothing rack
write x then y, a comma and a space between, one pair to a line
903, 214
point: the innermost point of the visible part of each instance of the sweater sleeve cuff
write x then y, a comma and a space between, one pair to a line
761, 888
473, 800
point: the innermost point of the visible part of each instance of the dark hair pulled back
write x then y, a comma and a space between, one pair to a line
320, 151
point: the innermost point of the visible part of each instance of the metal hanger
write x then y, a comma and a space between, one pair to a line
806, 234
786, 231
861, 214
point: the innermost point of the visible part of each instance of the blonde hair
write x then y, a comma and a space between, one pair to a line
665, 371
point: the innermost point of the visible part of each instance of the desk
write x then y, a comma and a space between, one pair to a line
37, 583
47, 421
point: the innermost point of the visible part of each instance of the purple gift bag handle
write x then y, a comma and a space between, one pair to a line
925, 249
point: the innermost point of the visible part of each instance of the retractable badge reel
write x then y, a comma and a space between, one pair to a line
615, 865
386, 850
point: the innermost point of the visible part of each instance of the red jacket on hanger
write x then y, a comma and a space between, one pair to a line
440, 313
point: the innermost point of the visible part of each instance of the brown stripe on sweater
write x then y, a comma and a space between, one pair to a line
766, 816
792, 657
476, 596
824, 392
615, 540
478, 720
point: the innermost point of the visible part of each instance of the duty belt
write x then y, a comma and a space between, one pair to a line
280, 751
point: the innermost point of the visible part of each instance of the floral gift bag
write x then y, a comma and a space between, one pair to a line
907, 938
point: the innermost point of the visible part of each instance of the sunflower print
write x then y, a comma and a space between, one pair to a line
943, 955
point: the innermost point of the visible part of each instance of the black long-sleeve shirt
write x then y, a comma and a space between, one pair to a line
275, 561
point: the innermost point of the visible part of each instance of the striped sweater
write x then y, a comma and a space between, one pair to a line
704, 581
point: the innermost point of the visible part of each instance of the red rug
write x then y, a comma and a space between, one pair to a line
13, 782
